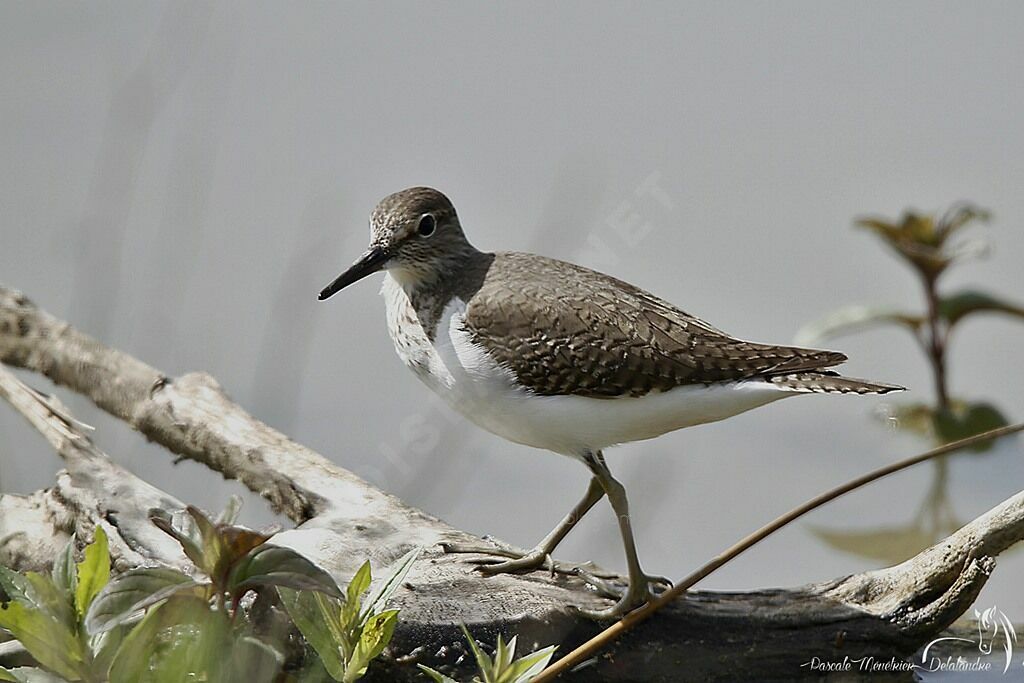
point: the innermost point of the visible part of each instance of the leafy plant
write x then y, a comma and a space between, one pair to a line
47, 615
235, 561
160, 624
190, 628
346, 632
503, 667
927, 244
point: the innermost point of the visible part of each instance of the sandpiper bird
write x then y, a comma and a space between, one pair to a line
556, 356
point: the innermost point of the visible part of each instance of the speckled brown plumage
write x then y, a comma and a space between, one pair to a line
564, 329
561, 329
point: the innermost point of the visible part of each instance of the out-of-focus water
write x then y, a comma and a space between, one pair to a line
181, 179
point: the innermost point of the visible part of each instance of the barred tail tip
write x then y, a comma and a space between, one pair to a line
832, 383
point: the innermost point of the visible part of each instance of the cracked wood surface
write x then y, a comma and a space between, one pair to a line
342, 520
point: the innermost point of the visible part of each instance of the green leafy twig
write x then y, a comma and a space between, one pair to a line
234, 559
347, 633
503, 667
925, 242
190, 628
47, 615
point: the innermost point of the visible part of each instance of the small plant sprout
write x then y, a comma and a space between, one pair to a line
345, 631
503, 667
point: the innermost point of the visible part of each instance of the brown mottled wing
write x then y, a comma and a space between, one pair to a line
593, 335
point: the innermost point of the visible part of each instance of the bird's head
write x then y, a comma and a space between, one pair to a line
414, 234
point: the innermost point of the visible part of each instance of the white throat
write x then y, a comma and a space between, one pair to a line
405, 278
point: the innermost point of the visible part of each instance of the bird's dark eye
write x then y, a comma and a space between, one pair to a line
427, 225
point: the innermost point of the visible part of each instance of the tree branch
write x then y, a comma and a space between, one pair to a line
344, 520
92, 490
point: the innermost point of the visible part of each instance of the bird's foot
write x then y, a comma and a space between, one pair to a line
629, 596
520, 561
614, 587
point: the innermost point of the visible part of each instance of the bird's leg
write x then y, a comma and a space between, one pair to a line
639, 590
528, 560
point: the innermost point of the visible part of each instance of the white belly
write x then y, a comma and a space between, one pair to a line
470, 381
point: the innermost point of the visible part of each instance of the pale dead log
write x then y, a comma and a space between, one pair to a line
344, 520
91, 491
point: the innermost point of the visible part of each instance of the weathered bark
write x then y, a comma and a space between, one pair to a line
343, 520
91, 491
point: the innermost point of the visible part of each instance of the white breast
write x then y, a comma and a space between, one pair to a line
465, 375
460, 371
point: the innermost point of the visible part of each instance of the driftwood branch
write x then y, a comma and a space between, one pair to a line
343, 520
91, 491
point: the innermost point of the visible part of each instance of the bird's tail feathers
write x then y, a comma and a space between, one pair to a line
825, 382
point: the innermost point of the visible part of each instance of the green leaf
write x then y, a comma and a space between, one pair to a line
379, 598
376, 635
64, 573
45, 597
914, 239
883, 228
29, 674
436, 676
483, 662
971, 419
524, 669
352, 615
346, 638
312, 671
229, 515
181, 528
923, 239
135, 590
213, 543
316, 617
93, 571
271, 565
504, 654
358, 584
961, 420
132, 659
503, 668
911, 229
330, 611
105, 646
253, 660
179, 640
852, 319
954, 307
958, 216
18, 587
912, 417
52, 643
224, 547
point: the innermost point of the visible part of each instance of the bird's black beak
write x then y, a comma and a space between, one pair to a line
368, 264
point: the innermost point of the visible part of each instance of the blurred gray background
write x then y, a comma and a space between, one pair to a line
180, 180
